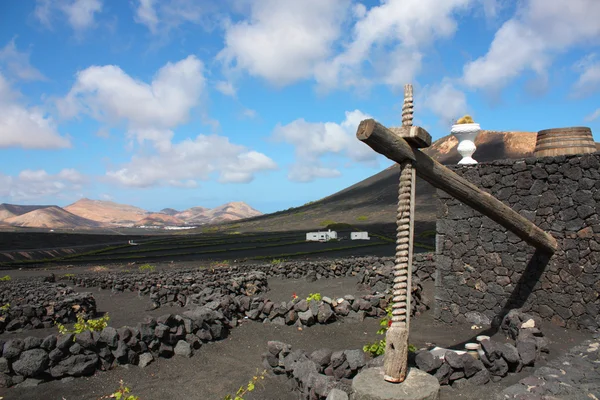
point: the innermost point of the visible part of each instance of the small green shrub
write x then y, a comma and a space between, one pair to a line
362, 218
5, 308
68, 276
314, 296
276, 261
377, 348
5, 278
122, 393
82, 325
147, 268
247, 388
326, 222
222, 263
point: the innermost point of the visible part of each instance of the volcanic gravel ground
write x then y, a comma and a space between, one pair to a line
220, 368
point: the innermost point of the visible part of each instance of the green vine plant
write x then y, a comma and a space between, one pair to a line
5, 308
5, 278
147, 268
243, 390
313, 296
377, 348
122, 393
82, 325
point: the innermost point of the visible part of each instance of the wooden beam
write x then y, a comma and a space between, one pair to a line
414, 135
389, 144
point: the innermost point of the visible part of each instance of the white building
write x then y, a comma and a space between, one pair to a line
359, 236
321, 236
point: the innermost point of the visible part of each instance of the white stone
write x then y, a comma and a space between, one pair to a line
528, 324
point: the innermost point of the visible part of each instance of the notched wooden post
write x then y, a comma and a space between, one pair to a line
402, 146
396, 351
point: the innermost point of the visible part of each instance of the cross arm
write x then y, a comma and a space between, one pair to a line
394, 147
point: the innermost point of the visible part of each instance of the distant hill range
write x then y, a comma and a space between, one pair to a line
88, 214
371, 201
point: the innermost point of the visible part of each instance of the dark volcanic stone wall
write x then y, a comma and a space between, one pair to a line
483, 270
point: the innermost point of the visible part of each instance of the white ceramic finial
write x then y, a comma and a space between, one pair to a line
466, 134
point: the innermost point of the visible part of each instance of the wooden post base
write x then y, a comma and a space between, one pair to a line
395, 362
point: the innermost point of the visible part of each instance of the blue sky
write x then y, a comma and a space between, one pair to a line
180, 103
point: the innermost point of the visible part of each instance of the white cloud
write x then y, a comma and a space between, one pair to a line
529, 40
150, 110
310, 172
445, 100
400, 28
283, 41
249, 113
286, 41
589, 79
183, 163
145, 14
226, 88
312, 141
162, 16
26, 127
593, 116
38, 184
17, 63
80, 14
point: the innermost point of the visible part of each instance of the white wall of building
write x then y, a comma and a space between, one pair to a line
317, 236
359, 236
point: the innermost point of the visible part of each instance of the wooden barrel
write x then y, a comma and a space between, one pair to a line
564, 141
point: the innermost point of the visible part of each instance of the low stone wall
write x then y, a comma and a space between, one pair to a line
484, 271
317, 374
178, 287
40, 291
36, 304
63, 311
58, 356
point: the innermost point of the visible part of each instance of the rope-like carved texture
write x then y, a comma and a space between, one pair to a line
400, 288
400, 305
407, 107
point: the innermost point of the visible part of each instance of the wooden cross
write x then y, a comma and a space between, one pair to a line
402, 146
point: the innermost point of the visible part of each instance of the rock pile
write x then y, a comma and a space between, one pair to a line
381, 279
496, 360
315, 374
574, 375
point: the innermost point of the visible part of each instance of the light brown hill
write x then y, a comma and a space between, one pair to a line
191, 213
227, 212
51, 217
13, 210
491, 145
158, 219
107, 211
